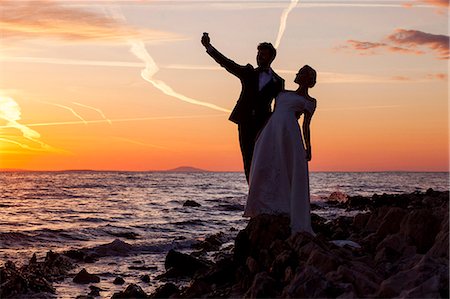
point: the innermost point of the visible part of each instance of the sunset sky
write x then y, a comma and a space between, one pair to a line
127, 85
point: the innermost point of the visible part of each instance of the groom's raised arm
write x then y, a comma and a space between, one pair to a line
231, 66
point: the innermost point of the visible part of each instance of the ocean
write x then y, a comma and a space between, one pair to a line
57, 211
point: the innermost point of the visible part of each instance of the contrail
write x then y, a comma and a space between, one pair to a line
283, 21
95, 109
10, 111
113, 120
151, 68
67, 108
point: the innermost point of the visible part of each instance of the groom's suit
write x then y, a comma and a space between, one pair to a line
253, 108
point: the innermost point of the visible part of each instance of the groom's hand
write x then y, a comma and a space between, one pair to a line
205, 40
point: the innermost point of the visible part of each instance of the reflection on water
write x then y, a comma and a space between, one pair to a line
62, 210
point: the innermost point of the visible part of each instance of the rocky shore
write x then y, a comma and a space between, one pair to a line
395, 246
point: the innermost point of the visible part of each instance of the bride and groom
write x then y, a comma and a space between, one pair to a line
274, 152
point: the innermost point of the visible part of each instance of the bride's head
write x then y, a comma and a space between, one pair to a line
306, 76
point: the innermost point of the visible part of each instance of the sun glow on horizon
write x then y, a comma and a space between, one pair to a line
128, 86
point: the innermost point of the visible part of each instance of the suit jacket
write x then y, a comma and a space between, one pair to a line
253, 105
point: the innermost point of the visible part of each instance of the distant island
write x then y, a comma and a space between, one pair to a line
186, 169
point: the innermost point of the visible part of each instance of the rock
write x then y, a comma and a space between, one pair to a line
390, 223
360, 221
126, 235
36, 277
407, 281
338, 196
260, 232
440, 247
358, 202
145, 278
83, 277
263, 286
115, 248
75, 255
165, 291
403, 252
191, 203
309, 283
132, 291
118, 280
420, 227
184, 264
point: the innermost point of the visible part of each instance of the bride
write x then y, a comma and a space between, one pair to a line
279, 180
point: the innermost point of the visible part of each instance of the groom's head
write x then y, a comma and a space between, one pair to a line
266, 54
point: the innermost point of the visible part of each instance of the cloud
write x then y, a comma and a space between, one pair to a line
48, 19
439, 76
436, 3
413, 38
10, 112
405, 42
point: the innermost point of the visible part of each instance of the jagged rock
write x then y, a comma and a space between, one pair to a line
268, 261
36, 277
263, 286
118, 280
145, 278
183, 264
84, 277
165, 291
420, 228
191, 203
132, 291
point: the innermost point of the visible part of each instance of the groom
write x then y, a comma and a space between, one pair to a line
259, 87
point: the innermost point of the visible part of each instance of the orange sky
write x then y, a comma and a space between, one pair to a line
127, 85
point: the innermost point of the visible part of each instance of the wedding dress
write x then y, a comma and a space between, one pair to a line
279, 180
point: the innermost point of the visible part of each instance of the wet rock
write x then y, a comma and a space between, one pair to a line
358, 203
338, 196
35, 277
263, 286
118, 280
84, 277
260, 232
191, 203
420, 228
165, 291
183, 264
115, 248
132, 291
211, 243
145, 278
125, 235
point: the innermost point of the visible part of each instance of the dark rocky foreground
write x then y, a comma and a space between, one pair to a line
397, 246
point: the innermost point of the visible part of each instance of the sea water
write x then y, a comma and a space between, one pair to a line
57, 211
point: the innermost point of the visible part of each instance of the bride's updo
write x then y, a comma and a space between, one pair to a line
311, 75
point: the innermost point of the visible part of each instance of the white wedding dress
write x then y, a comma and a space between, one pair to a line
279, 180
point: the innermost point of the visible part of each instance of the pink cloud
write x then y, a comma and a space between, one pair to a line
439, 76
415, 38
403, 41
440, 3
48, 19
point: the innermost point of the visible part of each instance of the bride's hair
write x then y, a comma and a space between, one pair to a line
312, 75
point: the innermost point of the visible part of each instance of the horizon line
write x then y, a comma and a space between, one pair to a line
195, 169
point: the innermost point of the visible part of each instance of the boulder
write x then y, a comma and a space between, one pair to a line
132, 291
84, 277
183, 264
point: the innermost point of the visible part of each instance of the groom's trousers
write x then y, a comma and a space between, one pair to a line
248, 132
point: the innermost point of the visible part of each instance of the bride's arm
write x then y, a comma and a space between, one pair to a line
307, 134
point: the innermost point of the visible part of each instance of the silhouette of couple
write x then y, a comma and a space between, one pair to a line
274, 153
